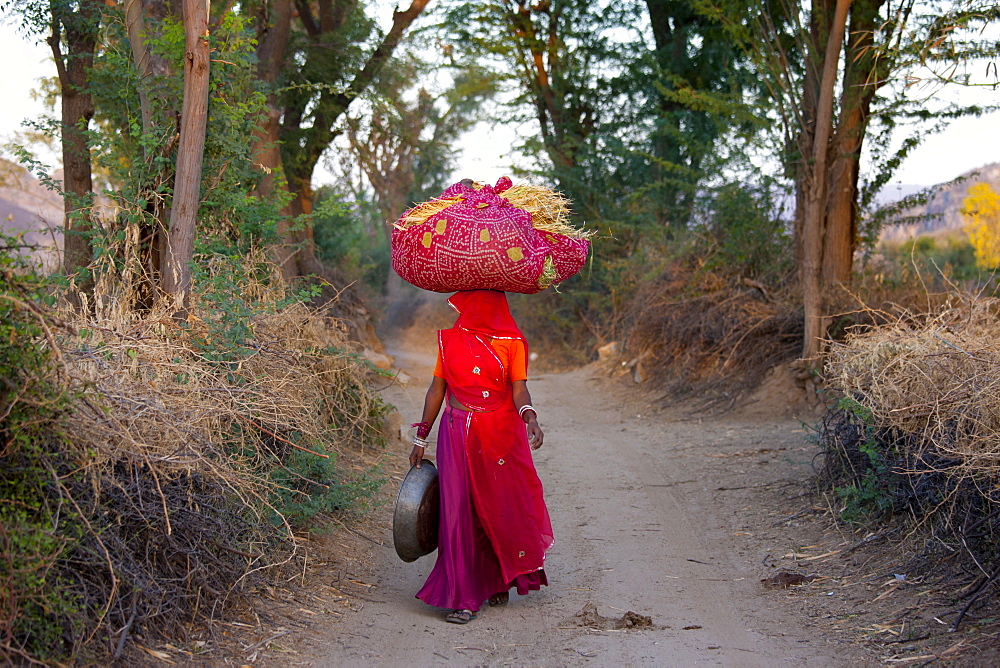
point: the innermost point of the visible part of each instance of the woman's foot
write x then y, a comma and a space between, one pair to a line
460, 616
499, 599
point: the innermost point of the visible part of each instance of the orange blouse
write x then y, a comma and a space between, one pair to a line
511, 354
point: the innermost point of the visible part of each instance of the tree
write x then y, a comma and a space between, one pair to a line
144, 23
826, 70
76, 26
187, 179
73, 30
404, 143
817, 230
982, 210
699, 75
183, 159
324, 73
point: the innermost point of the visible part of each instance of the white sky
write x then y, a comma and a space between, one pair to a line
967, 144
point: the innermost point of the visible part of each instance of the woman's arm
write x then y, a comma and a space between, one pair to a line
522, 398
432, 404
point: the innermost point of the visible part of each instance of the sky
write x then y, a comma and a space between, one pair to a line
965, 145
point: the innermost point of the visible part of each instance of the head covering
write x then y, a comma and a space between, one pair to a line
485, 312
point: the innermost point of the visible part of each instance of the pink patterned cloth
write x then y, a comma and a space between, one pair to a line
467, 571
483, 243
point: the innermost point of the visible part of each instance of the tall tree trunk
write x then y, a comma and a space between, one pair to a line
301, 239
274, 26
190, 154
813, 233
820, 17
863, 75
135, 25
77, 107
142, 17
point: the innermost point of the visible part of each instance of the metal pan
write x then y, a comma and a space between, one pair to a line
416, 516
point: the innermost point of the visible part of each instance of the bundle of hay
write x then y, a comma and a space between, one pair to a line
549, 209
502, 237
937, 381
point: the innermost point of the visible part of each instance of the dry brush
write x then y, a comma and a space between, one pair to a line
171, 473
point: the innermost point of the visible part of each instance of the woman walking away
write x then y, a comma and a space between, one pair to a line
494, 526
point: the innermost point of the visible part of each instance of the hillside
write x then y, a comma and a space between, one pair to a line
28, 206
942, 212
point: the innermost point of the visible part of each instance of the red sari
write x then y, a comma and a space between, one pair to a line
499, 474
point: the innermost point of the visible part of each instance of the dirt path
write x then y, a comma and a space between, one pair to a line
656, 514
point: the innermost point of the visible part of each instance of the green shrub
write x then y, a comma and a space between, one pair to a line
868, 481
39, 612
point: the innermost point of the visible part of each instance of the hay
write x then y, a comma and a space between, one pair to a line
549, 209
936, 377
916, 435
188, 446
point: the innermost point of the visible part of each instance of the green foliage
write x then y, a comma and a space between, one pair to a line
231, 310
866, 500
935, 262
308, 484
747, 234
320, 63
874, 485
139, 161
303, 472
40, 612
641, 115
349, 236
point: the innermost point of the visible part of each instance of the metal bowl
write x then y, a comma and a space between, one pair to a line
415, 519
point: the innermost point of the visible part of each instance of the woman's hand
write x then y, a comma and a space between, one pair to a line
535, 435
416, 456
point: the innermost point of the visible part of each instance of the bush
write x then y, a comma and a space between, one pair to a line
39, 613
916, 436
153, 471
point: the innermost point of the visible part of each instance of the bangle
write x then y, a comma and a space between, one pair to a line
417, 445
419, 442
526, 407
423, 429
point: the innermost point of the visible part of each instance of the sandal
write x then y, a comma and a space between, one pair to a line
499, 599
460, 616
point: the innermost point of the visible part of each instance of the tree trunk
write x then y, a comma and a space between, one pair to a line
142, 17
272, 39
820, 17
77, 107
301, 239
813, 233
190, 153
862, 77
135, 25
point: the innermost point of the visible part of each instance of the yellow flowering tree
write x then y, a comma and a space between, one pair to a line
981, 210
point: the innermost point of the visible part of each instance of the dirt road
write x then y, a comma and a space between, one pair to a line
656, 514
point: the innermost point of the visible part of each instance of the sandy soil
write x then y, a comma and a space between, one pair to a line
667, 525
654, 514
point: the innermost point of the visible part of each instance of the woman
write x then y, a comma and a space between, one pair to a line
494, 527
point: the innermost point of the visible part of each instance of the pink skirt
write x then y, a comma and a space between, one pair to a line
466, 572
